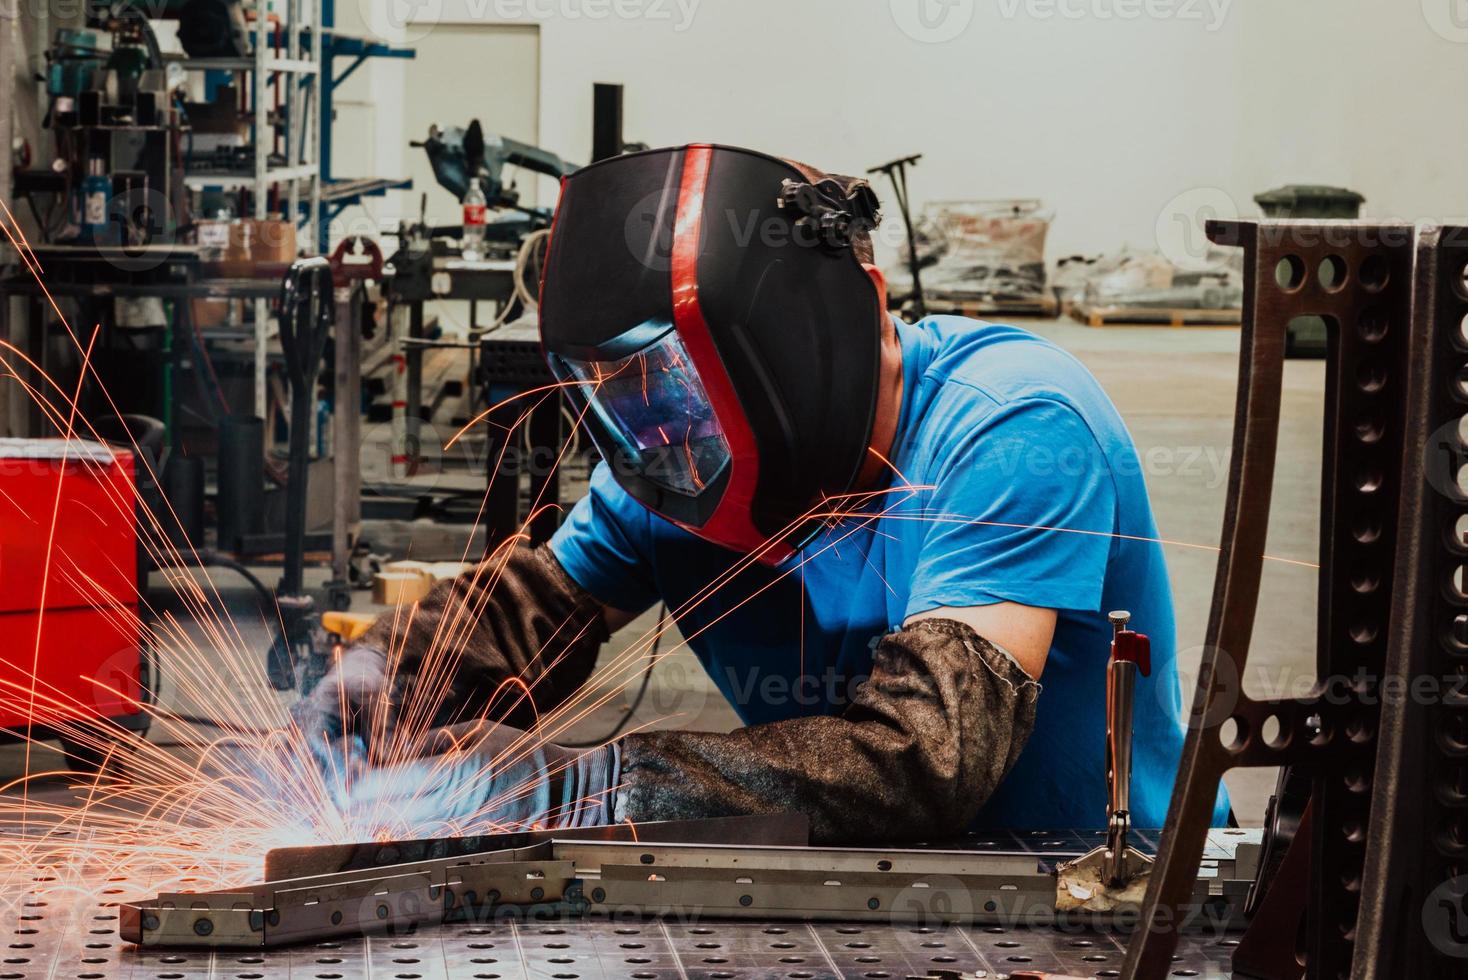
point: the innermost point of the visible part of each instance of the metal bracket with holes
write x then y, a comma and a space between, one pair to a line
620, 878
1389, 803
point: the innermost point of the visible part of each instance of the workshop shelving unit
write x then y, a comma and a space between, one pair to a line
290, 57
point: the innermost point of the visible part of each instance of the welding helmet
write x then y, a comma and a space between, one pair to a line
727, 349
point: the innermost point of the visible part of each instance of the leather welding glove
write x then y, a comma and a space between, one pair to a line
921, 746
507, 640
353, 699
483, 778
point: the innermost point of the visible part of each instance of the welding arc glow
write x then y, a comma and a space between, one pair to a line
202, 817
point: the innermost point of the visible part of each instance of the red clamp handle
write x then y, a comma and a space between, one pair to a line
354, 258
1133, 648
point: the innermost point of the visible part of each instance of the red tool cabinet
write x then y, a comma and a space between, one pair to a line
85, 610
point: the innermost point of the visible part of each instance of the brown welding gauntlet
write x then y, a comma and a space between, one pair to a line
924, 742
507, 640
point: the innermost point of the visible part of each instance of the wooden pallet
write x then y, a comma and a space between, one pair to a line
1041, 306
1148, 316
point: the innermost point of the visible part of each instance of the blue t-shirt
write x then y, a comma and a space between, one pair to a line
1020, 483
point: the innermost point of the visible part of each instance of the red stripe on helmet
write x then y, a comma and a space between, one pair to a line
732, 522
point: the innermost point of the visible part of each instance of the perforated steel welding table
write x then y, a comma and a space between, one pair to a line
58, 941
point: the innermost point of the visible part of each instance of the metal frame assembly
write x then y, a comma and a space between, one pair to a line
1386, 826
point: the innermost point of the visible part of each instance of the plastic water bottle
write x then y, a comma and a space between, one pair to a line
96, 197
476, 213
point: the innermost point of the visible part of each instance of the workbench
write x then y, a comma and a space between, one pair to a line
62, 940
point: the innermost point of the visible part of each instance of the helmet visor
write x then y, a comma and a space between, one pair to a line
655, 409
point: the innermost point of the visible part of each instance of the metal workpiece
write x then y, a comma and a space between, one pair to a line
622, 878
393, 899
300, 862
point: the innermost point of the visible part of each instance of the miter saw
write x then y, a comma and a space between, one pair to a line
461, 154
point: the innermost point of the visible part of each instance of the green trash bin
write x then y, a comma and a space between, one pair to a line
1307, 334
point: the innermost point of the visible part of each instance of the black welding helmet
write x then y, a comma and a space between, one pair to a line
725, 345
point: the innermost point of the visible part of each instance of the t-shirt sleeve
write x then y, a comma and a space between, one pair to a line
1023, 510
604, 544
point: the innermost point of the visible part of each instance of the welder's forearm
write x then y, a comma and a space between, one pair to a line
924, 743
514, 619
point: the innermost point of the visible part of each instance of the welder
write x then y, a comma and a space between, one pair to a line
937, 515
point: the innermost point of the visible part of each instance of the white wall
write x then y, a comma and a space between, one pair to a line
1115, 117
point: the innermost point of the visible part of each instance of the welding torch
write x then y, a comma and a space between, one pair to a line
1130, 654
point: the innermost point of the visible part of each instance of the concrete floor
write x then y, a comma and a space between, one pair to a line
1175, 387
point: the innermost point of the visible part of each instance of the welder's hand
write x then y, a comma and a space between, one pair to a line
353, 700
484, 778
